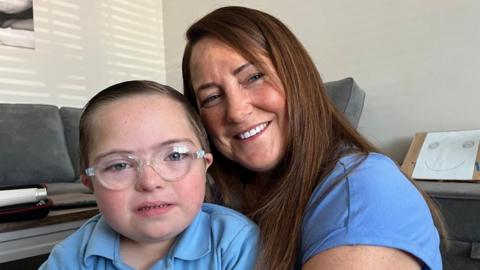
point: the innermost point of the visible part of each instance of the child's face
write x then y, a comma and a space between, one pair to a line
151, 209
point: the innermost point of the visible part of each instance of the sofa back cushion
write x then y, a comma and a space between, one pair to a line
71, 118
348, 98
32, 145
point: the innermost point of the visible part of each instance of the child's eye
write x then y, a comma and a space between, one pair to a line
176, 156
118, 166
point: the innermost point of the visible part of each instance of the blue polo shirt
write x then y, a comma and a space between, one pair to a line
218, 238
373, 205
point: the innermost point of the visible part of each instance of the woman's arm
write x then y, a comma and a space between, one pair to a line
362, 257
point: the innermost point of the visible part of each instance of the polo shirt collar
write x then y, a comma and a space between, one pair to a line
103, 241
194, 242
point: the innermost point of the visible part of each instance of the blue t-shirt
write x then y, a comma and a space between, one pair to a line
374, 205
218, 238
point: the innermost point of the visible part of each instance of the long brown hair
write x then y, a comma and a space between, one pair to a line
318, 134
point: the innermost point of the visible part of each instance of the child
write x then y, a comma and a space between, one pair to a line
144, 153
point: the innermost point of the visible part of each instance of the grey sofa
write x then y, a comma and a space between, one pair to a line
39, 144
459, 205
348, 97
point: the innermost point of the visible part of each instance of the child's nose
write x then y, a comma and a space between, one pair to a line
150, 179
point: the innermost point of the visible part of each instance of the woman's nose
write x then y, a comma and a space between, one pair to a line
239, 106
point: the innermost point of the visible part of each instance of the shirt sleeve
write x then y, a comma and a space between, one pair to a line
374, 205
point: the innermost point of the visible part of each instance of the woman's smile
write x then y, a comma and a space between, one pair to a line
252, 132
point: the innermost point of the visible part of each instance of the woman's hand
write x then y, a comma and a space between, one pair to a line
362, 258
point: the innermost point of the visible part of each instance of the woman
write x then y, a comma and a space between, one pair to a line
322, 197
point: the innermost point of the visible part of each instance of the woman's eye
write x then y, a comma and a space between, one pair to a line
256, 77
210, 100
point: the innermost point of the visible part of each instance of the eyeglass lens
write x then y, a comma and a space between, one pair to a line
117, 171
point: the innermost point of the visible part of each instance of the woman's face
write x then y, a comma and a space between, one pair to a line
243, 108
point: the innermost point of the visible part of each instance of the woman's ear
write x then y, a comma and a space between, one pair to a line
86, 181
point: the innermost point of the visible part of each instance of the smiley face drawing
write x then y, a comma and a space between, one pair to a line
448, 156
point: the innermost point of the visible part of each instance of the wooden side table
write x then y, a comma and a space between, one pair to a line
23, 239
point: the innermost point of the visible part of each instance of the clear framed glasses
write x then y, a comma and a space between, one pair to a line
120, 170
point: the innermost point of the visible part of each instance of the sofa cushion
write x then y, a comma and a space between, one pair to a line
32, 145
459, 204
347, 97
71, 118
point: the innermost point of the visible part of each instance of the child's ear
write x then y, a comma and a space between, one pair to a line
86, 181
208, 160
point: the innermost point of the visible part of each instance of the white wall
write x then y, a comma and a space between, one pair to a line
417, 60
82, 47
